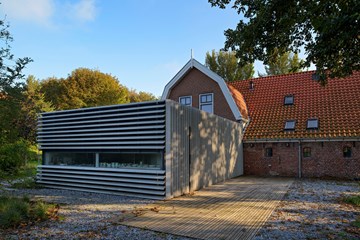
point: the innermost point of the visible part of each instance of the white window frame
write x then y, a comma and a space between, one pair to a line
186, 97
212, 101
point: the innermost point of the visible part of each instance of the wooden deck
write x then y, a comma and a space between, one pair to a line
235, 209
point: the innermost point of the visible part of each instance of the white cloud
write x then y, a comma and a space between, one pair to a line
83, 10
39, 11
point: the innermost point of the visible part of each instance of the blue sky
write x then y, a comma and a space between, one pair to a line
144, 43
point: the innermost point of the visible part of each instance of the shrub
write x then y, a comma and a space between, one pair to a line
13, 156
354, 200
14, 211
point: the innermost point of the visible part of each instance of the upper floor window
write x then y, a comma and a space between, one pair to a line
207, 102
306, 152
268, 152
289, 125
289, 100
312, 123
185, 100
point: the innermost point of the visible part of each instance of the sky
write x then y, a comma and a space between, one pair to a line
143, 43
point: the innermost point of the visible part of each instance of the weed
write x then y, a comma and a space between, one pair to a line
354, 200
15, 211
25, 183
356, 223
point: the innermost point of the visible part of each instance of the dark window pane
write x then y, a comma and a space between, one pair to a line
268, 152
131, 160
209, 98
70, 159
206, 108
347, 152
289, 125
289, 100
307, 152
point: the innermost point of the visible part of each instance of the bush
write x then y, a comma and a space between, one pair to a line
13, 156
14, 211
354, 200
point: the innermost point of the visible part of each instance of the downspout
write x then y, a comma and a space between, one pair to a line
299, 159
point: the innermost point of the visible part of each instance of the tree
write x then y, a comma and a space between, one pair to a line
84, 88
10, 90
34, 103
141, 96
328, 30
283, 64
226, 65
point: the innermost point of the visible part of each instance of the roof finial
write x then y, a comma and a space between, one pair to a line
191, 53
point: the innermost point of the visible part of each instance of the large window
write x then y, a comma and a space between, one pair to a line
70, 159
206, 102
185, 100
131, 160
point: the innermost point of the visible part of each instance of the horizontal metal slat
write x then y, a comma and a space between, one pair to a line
105, 183
119, 115
88, 111
104, 125
106, 129
104, 143
104, 134
40, 140
149, 192
142, 147
118, 178
71, 188
61, 121
103, 170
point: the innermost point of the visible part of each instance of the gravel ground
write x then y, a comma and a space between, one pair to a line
310, 210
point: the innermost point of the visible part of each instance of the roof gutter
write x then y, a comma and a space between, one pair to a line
304, 140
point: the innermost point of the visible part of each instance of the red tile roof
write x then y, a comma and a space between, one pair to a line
240, 101
337, 106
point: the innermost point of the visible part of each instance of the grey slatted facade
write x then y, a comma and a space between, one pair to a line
195, 149
126, 126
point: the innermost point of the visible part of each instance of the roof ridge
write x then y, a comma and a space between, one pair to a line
272, 76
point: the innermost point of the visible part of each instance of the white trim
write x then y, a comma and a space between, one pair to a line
225, 90
212, 101
186, 97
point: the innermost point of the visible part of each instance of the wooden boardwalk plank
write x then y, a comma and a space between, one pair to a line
235, 209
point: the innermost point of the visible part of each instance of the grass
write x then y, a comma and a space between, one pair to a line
29, 170
354, 200
16, 211
28, 182
356, 223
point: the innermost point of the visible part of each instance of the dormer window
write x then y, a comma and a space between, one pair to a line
312, 123
289, 100
289, 125
185, 100
206, 102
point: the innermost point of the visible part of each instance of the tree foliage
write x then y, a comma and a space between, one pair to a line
328, 30
226, 65
283, 64
84, 88
141, 96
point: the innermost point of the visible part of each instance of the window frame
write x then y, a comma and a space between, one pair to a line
206, 103
308, 154
188, 96
346, 154
290, 129
289, 96
271, 151
312, 119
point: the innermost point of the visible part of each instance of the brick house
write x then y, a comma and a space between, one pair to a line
293, 126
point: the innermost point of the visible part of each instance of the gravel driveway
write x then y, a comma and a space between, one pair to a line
310, 210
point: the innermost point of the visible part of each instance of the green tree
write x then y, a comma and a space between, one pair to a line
141, 96
328, 31
283, 64
34, 103
84, 88
226, 65
10, 89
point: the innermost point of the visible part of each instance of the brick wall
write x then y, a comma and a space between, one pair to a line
326, 160
195, 83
